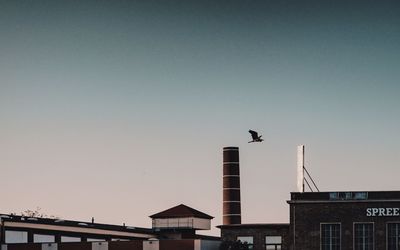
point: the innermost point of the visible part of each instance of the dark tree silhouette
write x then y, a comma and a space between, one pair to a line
37, 213
233, 245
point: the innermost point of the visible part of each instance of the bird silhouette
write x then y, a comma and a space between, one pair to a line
255, 136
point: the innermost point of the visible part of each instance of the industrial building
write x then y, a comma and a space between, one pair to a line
345, 220
174, 228
353, 220
328, 221
358, 220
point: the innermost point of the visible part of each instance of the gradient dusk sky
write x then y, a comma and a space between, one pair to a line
120, 109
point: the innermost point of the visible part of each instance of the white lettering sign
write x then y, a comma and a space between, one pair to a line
388, 211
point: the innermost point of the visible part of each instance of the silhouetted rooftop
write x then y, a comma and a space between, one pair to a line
344, 196
180, 211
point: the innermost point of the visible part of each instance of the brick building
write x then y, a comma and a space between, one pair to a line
174, 228
318, 220
328, 221
258, 236
358, 220
345, 220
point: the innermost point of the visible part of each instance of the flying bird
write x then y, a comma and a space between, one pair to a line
255, 137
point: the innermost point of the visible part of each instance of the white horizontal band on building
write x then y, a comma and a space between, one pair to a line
231, 162
231, 149
76, 229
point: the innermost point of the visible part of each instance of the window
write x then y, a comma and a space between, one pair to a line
43, 238
333, 196
363, 236
273, 242
361, 195
246, 239
393, 236
70, 239
348, 195
16, 237
94, 239
330, 236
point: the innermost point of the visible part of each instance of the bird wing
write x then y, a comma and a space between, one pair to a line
254, 134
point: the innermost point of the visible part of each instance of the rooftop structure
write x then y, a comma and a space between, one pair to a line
180, 218
179, 232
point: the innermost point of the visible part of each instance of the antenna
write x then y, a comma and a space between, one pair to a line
301, 170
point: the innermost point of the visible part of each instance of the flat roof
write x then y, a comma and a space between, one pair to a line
256, 225
71, 223
344, 196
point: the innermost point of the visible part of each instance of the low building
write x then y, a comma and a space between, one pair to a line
258, 236
174, 228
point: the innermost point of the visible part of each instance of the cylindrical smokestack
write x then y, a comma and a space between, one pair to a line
231, 187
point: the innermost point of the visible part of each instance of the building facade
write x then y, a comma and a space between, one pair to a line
328, 221
345, 220
361, 220
174, 228
258, 236
320, 220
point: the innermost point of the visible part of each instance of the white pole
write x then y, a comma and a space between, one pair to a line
300, 168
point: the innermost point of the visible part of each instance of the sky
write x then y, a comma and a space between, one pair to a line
120, 109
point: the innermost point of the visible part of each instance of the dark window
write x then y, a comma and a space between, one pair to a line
330, 236
361, 195
348, 196
340, 196
273, 242
393, 235
246, 240
334, 196
364, 236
